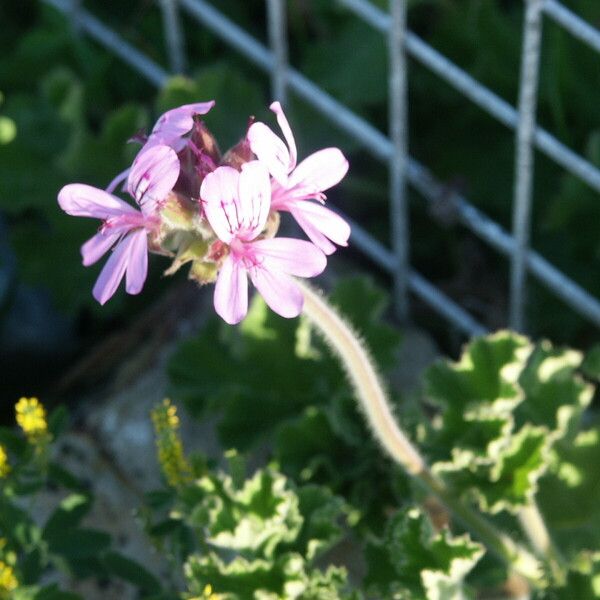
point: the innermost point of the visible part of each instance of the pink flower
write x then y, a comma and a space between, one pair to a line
174, 124
153, 175
294, 186
237, 206
124, 227
169, 132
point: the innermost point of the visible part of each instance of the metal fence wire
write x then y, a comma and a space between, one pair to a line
392, 149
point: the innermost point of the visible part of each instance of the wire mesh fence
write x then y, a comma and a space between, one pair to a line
392, 149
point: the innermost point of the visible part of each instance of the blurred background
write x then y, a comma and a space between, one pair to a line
68, 107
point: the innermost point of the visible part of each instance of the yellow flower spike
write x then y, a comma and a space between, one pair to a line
4, 466
8, 581
168, 444
31, 417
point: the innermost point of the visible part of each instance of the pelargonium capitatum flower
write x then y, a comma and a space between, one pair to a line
237, 207
124, 228
294, 185
173, 125
169, 130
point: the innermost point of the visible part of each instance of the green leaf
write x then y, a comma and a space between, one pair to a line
285, 577
158, 499
478, 393
254, 519
510, 482
569, 492
239, 578
67, 515
322, 514
591, 364
426, 563
234, 383
49, 592
58, 421
131, 571
16, 524
309, 449
77, 545
555, 395
360, 82
503, 406
41, 137
52, 592
583, 579
60, 476
488, 371
14, 442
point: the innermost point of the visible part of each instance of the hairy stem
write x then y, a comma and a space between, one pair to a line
370, 392
534, 527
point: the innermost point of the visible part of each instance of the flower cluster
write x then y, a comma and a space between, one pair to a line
31, 418
8, 581
218, 212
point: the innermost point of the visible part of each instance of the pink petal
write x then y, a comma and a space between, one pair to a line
287, 132
270, 150
279, 291
295, 257
319, 171
177, 122
80, 200
153, 175
112, 186
137, 265
113, 271
320, 224
254, 199
231, 292
219, 194
95, 248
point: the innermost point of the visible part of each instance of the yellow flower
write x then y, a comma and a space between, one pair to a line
207, 594
168, 444
8, 581
31, 417
4, 466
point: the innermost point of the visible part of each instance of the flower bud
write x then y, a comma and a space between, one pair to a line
238, 155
